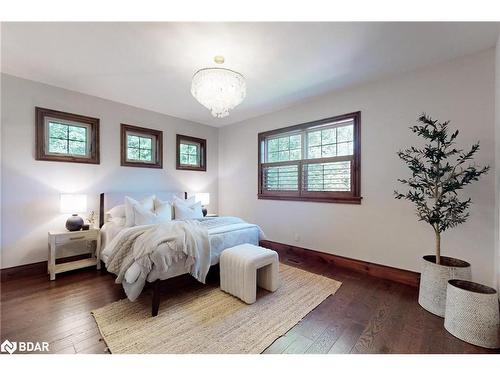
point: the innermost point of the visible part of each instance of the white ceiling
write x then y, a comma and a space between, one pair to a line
150, 65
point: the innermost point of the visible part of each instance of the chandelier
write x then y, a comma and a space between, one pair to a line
218, 89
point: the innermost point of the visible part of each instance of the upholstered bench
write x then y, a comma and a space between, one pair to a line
243, 267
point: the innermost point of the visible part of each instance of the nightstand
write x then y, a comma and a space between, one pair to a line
57, 239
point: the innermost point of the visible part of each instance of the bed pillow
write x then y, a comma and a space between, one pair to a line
117, 211
190, 201
163, 209
147, 203
186, 212
118, 221
143, 216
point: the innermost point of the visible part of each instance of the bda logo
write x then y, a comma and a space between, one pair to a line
8, 346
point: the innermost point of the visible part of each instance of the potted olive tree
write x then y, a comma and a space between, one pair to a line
438, 172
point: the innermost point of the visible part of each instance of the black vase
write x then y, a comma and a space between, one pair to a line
74, 223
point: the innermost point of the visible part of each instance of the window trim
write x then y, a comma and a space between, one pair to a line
203, 153
353, 196
41, 135
49, 119
142, 135
157, 135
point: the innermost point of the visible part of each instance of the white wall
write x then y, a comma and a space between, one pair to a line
497, 160
381, 229
0, 142
31, 188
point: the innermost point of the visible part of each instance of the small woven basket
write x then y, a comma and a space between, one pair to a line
472, 313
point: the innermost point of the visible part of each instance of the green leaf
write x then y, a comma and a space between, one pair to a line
314, 138
295, 142
273, 145
77, 148
345, 133
145, 155
438, 174
145, 143
328, 151
58, 146
133, 141
133, 153
328, 136
284, 155
295, 154
78, 133
272, 157
314, 152
284, 143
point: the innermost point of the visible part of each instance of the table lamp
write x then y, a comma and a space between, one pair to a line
204, 198
73, 204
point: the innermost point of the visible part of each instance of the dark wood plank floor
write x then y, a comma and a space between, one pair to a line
366, 315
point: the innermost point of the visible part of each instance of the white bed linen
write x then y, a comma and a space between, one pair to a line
220, 238
110, 229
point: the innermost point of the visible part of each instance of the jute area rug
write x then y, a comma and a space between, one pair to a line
208, 320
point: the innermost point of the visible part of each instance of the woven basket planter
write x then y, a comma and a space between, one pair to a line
434, 279
472, 313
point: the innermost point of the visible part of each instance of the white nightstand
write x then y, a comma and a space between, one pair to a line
65, 237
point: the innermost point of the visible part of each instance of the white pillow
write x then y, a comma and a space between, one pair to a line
143, 216
164, 209
186, 212
118, 221
117, 211
147, 203
190, 201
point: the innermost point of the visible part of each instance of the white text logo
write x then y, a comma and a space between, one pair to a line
24, 346
8, 346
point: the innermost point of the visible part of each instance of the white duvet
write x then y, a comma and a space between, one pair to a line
149, 252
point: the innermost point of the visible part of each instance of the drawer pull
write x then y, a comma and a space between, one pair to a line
77, 238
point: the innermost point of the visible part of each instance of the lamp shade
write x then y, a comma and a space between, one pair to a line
204, 198
73, 203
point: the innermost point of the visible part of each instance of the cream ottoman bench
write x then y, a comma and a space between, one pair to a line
243, 267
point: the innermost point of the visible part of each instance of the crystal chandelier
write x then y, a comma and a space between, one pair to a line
218, 89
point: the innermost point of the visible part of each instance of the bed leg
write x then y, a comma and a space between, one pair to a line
155, 306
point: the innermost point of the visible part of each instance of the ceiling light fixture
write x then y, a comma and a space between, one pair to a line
218, 89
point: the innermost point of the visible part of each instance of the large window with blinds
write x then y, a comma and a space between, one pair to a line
316, 161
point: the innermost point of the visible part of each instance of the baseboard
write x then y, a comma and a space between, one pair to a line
293, 254
296, 254
34, 269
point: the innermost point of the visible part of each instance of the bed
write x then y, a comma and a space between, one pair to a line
222, 234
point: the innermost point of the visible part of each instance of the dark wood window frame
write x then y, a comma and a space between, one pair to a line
353, 196
158, 155
203, 153
41, 151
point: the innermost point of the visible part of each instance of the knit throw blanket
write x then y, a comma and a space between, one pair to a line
160, 245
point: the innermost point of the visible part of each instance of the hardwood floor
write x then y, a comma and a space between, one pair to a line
366, 315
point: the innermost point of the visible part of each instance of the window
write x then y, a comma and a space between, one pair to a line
62, 136
191, 153
316, 161
141, 147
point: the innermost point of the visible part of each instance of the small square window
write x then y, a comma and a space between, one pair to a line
62, 136
141, 147
191, 153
